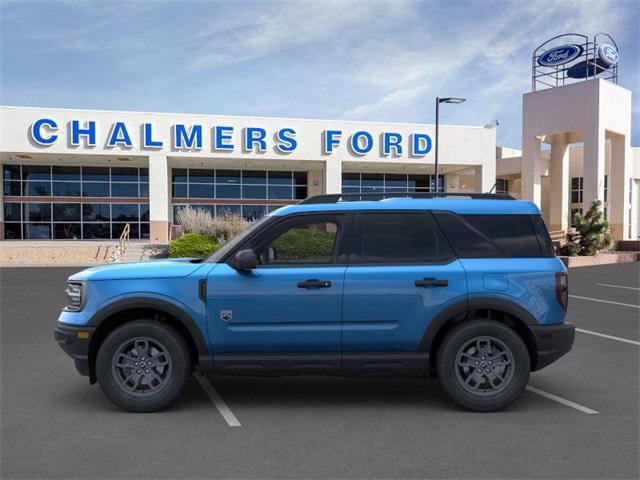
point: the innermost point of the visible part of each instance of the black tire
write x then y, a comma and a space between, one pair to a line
463, 368
137, 383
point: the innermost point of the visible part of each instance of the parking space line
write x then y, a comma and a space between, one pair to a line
616, 286
563, 401
217, 400
610, 337
604, 301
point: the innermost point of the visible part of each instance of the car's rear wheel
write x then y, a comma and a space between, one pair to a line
143, 365
483, 365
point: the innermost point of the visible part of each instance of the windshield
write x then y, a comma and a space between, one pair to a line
238, 239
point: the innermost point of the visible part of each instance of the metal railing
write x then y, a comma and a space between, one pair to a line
123, 243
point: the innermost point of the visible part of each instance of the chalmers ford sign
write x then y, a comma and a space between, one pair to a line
222, 138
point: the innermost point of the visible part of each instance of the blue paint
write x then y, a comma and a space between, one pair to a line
361, 142
147, 137
187, 138
255, 138
286, 140
89, 132
222, 138
119, 136
37, 134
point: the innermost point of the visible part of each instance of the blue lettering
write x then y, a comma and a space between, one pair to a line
286, 141
119, 136
421, 144
356, 145
186, 139
391, 140
221, 137
147, 138
253, 136
89, 131
329, 141
36, 131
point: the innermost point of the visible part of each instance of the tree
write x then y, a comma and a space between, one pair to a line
591, 235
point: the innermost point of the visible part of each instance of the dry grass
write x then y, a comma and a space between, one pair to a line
223, 227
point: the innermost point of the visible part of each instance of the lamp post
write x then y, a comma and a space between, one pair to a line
438, 102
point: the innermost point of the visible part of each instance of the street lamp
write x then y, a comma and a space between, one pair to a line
438, 102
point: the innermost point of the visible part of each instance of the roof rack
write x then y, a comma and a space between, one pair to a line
372, 196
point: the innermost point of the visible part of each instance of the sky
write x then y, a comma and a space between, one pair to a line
345, 60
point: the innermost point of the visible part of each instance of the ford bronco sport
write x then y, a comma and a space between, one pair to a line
466, 288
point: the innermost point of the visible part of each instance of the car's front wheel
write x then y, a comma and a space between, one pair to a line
143, 365
483, 365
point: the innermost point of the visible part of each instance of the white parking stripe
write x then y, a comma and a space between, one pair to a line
604, 301
616, 286
563, 401
217, 400
610, 337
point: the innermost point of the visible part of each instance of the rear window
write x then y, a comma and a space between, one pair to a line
496, 236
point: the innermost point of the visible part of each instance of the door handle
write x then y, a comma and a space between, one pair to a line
314, 284
432, 282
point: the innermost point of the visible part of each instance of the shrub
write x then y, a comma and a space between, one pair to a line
193, 245
591, 235
222, 227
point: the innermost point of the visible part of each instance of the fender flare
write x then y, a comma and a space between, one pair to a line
205, 360
463, 307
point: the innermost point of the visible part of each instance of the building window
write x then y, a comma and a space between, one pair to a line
257, 191
576, 189
606, 187
390, 183
64, 213
63, 181
74, 221
502, 186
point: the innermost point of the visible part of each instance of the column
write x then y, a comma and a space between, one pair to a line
531, 169
451, 182
315, 180
332, 176
559, 201
485, 177
618, 188
593, 166
159, 198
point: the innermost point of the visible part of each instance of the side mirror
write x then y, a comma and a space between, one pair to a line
245, 260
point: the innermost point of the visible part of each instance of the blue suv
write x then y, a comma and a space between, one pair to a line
466, 288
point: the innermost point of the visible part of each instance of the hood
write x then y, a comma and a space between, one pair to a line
174, 268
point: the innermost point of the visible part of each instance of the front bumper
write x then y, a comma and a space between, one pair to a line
552, 342
75, 343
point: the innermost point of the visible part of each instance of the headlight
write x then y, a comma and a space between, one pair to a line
75, 297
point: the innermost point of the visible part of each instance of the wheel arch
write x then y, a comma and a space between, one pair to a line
503, 311
122, 311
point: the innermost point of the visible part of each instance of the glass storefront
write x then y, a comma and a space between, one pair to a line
390, 183
260, 191
64, 213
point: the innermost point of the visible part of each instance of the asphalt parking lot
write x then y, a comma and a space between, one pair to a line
580, 419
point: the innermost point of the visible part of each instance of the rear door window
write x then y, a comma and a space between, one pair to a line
398, 238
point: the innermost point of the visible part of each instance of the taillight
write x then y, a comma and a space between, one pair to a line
562, 289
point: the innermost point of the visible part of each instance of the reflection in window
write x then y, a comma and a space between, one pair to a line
304, 243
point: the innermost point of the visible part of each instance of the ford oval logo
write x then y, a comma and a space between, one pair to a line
608, 54
560, 55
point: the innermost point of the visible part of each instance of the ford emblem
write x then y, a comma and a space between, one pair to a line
560, 55
608, 54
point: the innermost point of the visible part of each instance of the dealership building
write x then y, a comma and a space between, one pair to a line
86, 174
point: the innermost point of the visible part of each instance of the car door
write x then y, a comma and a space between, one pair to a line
402, 272
290, 305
